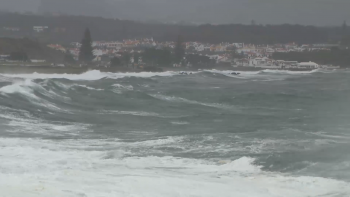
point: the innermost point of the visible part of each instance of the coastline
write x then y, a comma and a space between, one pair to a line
80, 70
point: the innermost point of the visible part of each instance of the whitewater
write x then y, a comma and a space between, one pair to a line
206, 134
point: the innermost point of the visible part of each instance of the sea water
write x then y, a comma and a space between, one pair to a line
205, 134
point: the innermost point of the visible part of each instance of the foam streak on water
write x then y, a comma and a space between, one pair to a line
263, 134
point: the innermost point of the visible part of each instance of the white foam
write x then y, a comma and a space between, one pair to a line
27, 87
23, 122
41, 168
153, 143
289, 71
90, 75
228, 72
264, 75
118, 88
87, 87
97, 75
180, 123
183, 100
137, 113
127, 87
134, 113
21, 87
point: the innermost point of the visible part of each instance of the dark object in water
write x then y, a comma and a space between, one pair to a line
234, 73
185, 73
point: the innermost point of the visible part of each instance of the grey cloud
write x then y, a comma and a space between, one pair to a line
313, 12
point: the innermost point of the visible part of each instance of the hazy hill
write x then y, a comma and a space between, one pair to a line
307, 12
65, 29
78, 7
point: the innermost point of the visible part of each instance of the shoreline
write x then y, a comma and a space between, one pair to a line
79, 70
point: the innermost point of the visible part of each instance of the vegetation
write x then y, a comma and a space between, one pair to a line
24, 47
115, 62
334, 57
19, 56
86, 51
136, 58
179, 50
68, 58
157, 57
125, 58
200, 61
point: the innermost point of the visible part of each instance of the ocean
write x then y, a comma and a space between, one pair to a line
205, 134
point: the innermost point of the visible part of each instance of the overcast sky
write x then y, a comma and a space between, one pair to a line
308, 12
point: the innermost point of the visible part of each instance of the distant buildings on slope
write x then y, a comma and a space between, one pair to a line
235, 54
39, 29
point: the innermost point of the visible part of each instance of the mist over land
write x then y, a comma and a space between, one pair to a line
307, 12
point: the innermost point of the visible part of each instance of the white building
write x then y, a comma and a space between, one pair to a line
308, 65
40, 28
258, 61
76, 44
290, 64
111, 45
97, 52
4, 57
38, 61
200, 48
238, 45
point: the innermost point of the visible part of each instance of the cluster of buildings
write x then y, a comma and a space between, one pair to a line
115, 48
236, 54
12, 29
258, 56
37, 29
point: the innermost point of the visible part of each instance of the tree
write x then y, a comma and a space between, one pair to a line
136, 58
157, 57
345, 37
344, 28
200, 61
164, 57
68, 58
149, 56
19, 56
125, 58
179, 50
115, 62
86, 50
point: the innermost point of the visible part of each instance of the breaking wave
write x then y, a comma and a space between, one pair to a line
166, 134
90, 75
62, 169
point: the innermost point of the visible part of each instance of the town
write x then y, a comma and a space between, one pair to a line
233, 54
131, 53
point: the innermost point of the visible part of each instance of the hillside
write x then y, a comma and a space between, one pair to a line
65, 29
316, 12
33, 49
